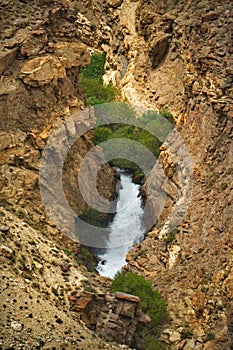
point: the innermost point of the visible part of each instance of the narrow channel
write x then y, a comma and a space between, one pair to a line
127, 227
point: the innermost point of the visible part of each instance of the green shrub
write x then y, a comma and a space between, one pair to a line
94, 217
101, 134
143, 137
168, 115
152, 343
96, 68
91, 82
152, 302
137, 134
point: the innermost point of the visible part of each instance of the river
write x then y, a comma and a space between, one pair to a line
127, 228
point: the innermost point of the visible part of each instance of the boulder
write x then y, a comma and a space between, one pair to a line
34, 44
43, 70
128, 297
6, 58
80, 301
129, 309
210, 16
75, 54
4, 229
6, 251
115, 3
16, 326
8, 85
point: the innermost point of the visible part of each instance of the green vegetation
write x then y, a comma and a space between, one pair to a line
40, 343
129, 132
95, 217
91, 82
86, 258
141, 130
171, 234
67, 251
152, 304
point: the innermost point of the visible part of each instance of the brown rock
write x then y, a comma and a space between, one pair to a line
65, 266
115, 3
81, 300
76, 54
6, 251
114, 318
43, 70
112, 325
6, 58
129, 309
34, 44
198, 302
128, 297
227, 286
210, 16
144, 318
8, 85
4, 229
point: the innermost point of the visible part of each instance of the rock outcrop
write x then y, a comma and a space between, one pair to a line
38, 274
117, 316
179, 57
39, 66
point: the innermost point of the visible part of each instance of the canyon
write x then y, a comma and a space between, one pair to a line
164, 54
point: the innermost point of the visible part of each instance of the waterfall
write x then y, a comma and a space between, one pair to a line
127, 228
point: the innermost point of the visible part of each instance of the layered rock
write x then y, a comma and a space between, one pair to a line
184, 64
38, 274
38, 93
117, 316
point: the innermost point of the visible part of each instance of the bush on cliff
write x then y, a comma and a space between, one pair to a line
91, 82
152, 302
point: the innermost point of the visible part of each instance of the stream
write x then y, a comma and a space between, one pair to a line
127, 227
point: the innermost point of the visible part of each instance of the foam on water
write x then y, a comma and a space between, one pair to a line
127, 227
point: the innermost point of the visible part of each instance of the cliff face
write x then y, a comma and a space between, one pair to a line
179, 57
41, 55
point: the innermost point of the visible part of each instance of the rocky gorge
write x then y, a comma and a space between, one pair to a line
175, 55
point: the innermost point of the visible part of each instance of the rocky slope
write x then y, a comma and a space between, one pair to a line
41, 55
178, 55
38, 274
39, 65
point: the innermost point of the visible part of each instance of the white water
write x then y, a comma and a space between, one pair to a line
126, 228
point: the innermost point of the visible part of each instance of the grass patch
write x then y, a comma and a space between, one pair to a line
171, 234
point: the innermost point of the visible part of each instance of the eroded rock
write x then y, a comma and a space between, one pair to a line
6, 251
43, 70
76, 54
16, 326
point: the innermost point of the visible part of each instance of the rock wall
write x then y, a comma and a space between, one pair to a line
118, 316
38, 273
178, 55
41, 55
